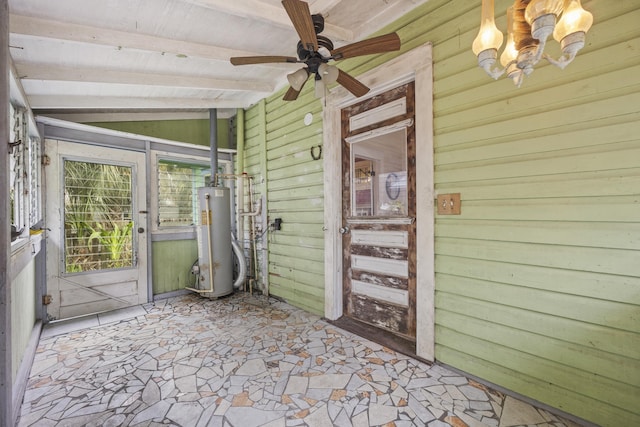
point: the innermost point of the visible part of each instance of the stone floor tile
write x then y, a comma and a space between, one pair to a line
252, 362
185, 414
382, 414
515, 412
336, 381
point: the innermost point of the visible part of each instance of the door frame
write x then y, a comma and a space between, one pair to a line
59, 151
414, 65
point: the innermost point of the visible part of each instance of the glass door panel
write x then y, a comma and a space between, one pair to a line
379, 175
98, 217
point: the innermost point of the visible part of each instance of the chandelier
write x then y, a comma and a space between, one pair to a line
529, 25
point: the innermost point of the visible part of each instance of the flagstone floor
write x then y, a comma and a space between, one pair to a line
245, 361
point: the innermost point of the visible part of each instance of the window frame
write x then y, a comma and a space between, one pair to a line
202, 168
154, 202
25, 174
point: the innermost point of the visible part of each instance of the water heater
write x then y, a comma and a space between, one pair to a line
214, 243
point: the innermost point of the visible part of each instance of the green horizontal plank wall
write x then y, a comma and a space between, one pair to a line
192, 131
278, 151
538, 280
172, 261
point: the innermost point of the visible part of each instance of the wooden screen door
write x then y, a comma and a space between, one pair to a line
97, 246
379, 211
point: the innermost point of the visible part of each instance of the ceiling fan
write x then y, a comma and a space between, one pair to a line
315, 51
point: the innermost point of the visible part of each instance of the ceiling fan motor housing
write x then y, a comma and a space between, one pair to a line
318, 22
305, 54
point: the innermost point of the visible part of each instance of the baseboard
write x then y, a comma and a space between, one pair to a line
172, 294
22, 376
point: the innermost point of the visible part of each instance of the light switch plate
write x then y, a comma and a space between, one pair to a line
449, 204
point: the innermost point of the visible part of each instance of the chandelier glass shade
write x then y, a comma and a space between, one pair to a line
529, 25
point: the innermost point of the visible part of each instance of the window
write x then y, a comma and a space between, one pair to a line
17, 170
25, 171
178, 182
379, 175
35, 190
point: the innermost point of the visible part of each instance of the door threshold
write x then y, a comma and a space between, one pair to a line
78, 323
379, 336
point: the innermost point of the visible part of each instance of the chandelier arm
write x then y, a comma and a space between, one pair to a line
561, 62
540, 51
518, 79
487, 61
494, 73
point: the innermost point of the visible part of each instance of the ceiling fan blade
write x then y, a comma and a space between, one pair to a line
247, 60
300, 16
292, 94
352, 85
385, 43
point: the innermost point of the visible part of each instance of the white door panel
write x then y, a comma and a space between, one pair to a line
97, 246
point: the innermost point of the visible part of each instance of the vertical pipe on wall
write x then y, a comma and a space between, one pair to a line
240, 172
240, 139
6, 371
213, 142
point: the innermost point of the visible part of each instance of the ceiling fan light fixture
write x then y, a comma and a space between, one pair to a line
328, 73
297, 79
320, 88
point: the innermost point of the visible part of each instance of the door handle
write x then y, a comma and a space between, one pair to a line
344, 230
140, 230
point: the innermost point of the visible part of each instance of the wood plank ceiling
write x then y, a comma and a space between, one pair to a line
106, 56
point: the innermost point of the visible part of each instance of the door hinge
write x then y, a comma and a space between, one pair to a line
46, 299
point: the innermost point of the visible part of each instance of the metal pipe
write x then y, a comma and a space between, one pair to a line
213, 143
252, 235
240, 181
240, 139
242, 263
238, 177
211, 270
240, 172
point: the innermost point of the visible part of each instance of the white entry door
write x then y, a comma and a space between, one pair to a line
97, 243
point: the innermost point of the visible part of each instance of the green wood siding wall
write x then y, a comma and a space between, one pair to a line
278, 149
538, 281
536, 284
23, 314
195, 131
172, 261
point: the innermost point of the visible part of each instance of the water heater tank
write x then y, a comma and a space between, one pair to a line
214, 242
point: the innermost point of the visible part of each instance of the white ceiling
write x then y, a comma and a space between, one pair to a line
125, 56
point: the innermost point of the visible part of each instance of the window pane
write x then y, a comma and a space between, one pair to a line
17, 171
379, 175
98, 211
177, 193
35, 188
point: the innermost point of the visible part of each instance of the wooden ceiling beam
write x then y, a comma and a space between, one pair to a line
30, 26
85, 102
274, 15
35, 71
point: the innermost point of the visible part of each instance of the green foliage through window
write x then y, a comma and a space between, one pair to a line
177, 192
98, 216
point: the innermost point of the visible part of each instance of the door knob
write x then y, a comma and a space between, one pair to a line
344, 230
140, 230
